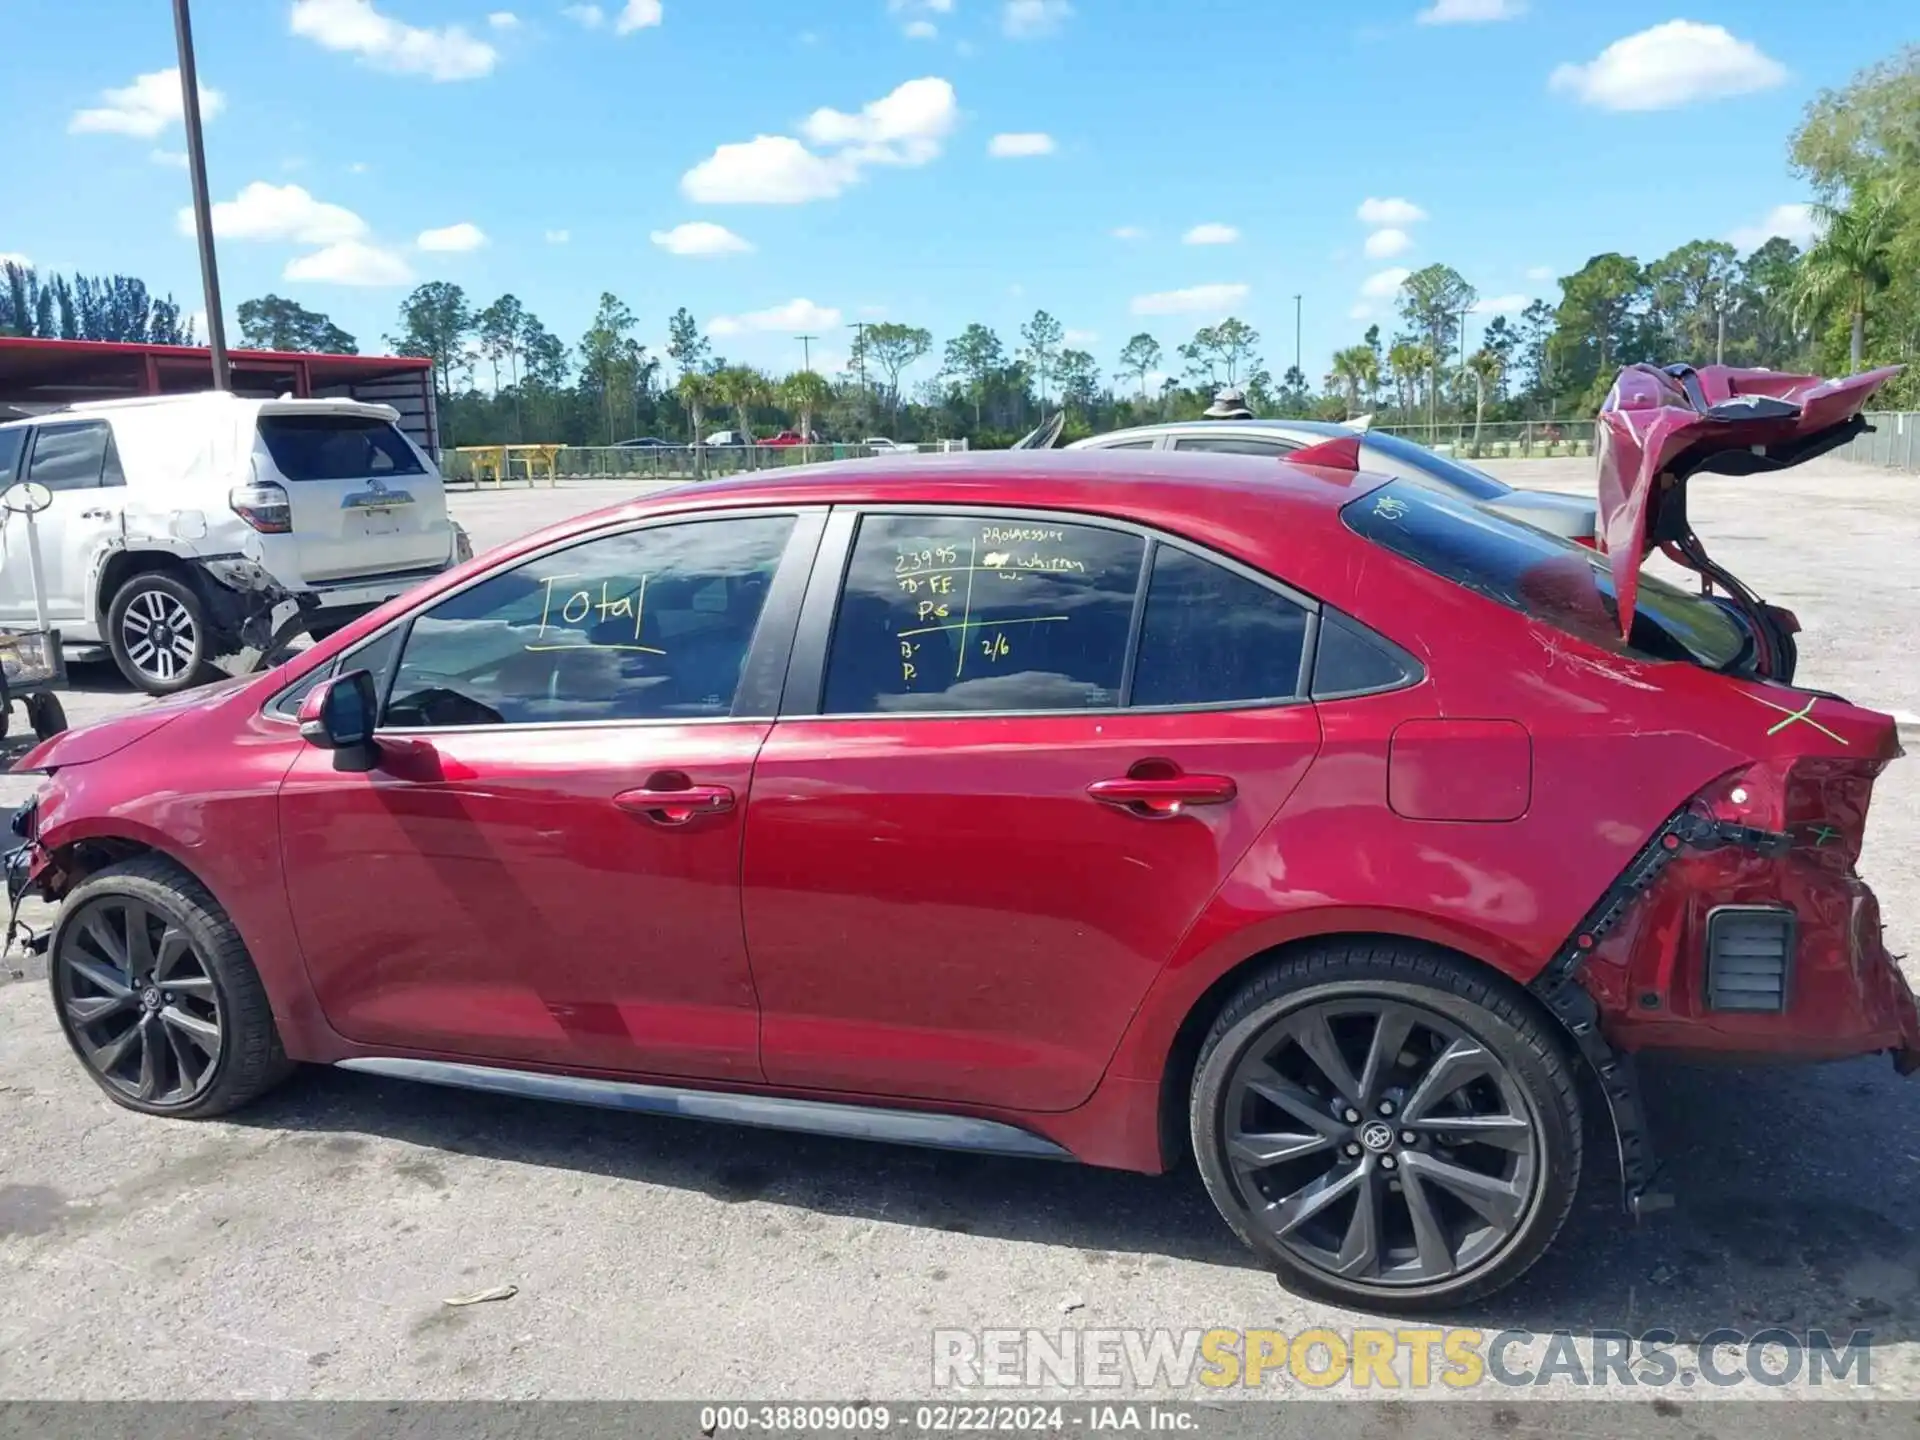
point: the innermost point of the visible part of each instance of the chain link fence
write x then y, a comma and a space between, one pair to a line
659, 462
1501, 440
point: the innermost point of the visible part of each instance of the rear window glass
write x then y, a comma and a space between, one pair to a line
1461, 476
1542, 576
336, 447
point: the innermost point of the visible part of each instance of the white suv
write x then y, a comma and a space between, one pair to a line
188, 529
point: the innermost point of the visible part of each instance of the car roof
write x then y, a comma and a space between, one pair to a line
1281, 517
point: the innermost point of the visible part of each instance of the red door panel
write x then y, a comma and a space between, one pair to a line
503, 893
939, 908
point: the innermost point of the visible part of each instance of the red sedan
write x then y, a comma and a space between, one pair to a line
1112, 806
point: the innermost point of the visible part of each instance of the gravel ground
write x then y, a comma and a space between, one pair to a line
304, 1248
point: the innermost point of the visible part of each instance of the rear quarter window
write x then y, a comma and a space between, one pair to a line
336, 447
1543, 576
11, 442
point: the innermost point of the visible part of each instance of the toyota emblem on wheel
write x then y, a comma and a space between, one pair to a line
1377, 1136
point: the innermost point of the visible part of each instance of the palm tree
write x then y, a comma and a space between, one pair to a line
1404, 359
742, 387
696, 391
1852, 261
804, 392
1357, 368
1486, 367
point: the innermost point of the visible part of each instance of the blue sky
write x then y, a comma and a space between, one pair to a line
930, 161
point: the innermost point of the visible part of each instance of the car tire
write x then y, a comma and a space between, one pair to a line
178, 1025
1354, 1185
151, 610
46, 714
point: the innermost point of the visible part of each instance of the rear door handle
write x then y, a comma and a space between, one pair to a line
1160, 797
96, 514
674, 805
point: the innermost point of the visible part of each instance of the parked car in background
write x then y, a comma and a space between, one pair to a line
645, 442
881, 445
728, 437
1436, 813
188, 529
1382, 454
790, 437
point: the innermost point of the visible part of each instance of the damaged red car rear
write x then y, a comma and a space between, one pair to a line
1105, 805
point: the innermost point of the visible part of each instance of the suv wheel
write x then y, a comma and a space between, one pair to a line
157, 995
1390, 1129
157, 631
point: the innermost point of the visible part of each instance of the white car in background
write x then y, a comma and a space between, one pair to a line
182, 530
881, 445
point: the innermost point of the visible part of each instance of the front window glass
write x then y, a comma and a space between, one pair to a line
652, 624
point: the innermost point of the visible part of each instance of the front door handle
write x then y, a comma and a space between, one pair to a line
1158, 797
96, 514
666, 803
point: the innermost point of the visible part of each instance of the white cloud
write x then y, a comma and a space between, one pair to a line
145, 108
1385, 244
1540, 272
766, 170
921, 30
349, 262
1030, 19
559, 237
504, 20
1129, 232
1470, 12
453, 239
1079, 337
1672, 64
592, 17
1017, 144
1791, 222
1383, 284
908, 126
174, 158
1502, 304
700, 237
354, 27
637, 15
14, 257
1196, 299
1211, 233
794, 317
1393, 211
279, 212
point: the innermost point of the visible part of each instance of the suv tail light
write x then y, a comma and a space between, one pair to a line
263, 505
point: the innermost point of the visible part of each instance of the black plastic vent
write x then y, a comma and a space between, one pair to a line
1749, 957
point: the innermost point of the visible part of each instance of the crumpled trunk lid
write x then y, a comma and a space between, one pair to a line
1659, 427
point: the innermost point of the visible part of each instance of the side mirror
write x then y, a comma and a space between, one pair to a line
339, 715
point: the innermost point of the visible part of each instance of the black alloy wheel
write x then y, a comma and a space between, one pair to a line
157, 995
1384, 1139
139, 1001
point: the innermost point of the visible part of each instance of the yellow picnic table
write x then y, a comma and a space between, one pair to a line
497, 461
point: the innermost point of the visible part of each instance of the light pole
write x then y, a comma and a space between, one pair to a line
202, 205
806, 350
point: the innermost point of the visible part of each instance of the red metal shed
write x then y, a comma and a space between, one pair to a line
40, 375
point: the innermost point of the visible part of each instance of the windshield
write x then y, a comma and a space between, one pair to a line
10, 441
1457, 473
1543, 576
